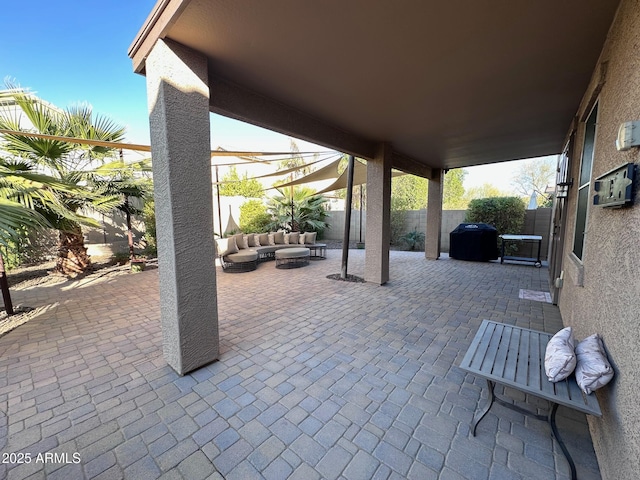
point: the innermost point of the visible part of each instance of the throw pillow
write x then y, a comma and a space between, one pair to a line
301, 239
593, 369
226, 246
278, 237
294, 238
272, 240
310, 237
240, 241
286, 238
251, 240
263, 238
560, 357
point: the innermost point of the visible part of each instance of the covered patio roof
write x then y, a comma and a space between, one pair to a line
447, 84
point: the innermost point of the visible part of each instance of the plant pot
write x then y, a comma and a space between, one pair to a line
137, 266
360, 245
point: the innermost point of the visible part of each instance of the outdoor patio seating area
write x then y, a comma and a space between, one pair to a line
316, 379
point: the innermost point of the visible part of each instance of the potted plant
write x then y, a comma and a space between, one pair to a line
138, 264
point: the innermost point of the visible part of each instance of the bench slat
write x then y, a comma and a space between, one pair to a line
503, 350
473, 348
485, 338
547, 387
533, 378
522, 369
512, 355
492, 350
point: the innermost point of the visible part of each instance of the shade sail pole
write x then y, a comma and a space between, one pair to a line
218, 195
360, 209
347, 219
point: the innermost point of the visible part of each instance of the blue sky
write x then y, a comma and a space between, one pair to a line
76, 51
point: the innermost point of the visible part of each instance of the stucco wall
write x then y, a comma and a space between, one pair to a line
608, 301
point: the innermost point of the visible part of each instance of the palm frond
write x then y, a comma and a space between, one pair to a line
14, 216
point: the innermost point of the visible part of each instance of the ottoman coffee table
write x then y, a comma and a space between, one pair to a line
292, 257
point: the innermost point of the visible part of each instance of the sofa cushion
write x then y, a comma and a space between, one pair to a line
252, 238
242, 256
263, 238
593, 369
294, 238
240, 243
286, 238
310, 238
560, 356
278, 238
226, 246
272, 240
301, 239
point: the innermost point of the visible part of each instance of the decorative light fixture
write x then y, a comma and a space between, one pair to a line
628, 136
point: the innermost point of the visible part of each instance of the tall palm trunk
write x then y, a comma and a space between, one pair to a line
72, 254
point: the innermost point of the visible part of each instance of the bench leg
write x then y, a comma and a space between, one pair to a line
485, 409
556, 434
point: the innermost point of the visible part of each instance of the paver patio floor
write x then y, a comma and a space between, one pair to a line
316, 379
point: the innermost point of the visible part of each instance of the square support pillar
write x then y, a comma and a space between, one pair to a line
434, 216
378, 232
178, 95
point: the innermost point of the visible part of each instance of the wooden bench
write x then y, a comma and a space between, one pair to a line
514, 357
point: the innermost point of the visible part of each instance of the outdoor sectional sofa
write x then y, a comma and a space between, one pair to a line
243, 252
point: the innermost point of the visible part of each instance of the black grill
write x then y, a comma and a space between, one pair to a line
474, 241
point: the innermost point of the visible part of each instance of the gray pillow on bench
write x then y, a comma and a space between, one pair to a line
593, 370
560, 356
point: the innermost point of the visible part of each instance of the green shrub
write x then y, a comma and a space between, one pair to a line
30, 248
149, 217
397, 222
254, 217
413, 239
504, 213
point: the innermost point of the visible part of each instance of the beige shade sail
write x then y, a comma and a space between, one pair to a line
325, 173
359, 178
288, 170
141, 148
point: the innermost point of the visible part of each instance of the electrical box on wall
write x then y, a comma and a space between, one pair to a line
615, 188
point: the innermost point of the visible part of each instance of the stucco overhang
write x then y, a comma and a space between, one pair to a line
447, 84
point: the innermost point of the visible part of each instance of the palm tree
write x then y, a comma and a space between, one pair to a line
308, 214
21, 190
125, 181
69, 162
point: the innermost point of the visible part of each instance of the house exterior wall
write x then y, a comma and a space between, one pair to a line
600, 293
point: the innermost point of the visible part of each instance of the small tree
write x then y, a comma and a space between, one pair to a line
453, 197
233, 185
534, 176
254, 217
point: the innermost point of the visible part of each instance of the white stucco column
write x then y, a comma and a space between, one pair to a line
434, 216
178, 95
378, 232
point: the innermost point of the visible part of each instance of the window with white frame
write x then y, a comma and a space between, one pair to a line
586, 166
